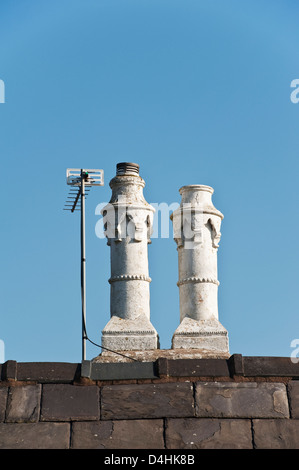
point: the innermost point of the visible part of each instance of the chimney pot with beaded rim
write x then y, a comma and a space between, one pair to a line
196, 225
128, 221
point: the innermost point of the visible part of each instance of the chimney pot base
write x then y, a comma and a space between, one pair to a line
129, 335
208, 335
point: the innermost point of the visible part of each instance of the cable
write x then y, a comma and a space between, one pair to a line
115, 352
84, 177
102, 347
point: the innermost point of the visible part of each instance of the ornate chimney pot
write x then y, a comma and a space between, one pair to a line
196, 225
128, 225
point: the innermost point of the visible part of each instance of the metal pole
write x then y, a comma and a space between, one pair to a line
83, 262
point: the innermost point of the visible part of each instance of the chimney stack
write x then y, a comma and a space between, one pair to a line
128, 225
196, 226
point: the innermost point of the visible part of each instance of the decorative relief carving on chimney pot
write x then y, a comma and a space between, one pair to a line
128, 226
196, 225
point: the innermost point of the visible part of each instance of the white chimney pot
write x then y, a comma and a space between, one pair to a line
197, 234
128, 223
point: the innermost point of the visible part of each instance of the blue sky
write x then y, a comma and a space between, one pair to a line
195, 92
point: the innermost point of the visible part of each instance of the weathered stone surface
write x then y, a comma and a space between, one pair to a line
119, 371
276, 433
122, 334
3, 400
197, 368
147, 401
196, 225
65, 402
130, 434
235, 364
157, 354
293, 388
47, 372
23, 404
259, 366
91, 434
194, 433
34, 435
128, 220
241, 400
209, 335
9, 370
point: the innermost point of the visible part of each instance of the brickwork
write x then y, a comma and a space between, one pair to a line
196, 404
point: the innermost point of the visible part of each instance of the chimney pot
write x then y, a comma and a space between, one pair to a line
129, 225
197, 234
127, 168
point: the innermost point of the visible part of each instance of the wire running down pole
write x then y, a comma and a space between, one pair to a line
83, 264
81, 182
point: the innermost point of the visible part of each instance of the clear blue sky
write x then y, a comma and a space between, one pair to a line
196, 92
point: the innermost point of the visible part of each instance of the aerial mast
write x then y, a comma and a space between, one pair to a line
81, 181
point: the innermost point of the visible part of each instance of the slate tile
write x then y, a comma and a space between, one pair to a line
264, 366
147, 401
198, 368
205, 433
23, 404
293, 389
122, 434
276, 433
34, 435
47, 372
3, 400
64, 402
241, 400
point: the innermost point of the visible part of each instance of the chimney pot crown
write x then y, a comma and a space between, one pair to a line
127, 168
